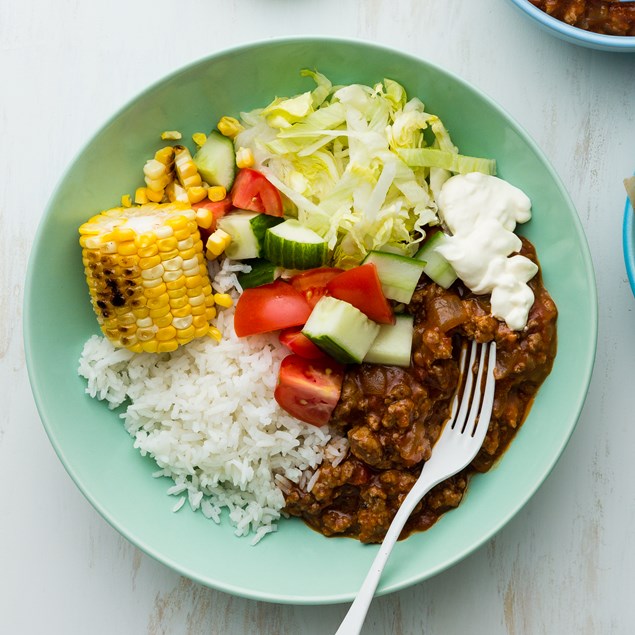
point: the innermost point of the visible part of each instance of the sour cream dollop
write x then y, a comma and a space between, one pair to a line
481, 211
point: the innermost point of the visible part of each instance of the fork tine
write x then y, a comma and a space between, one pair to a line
479, 431
456, 400
475, 402
459, 423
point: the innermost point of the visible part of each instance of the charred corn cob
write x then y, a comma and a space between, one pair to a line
147, 276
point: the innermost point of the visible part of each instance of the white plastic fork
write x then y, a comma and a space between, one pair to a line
459, 442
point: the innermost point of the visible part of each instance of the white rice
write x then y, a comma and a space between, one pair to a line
207, 416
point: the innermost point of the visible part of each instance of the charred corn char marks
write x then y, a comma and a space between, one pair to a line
147, 276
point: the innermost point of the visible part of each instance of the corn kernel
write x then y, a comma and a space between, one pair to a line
196, 193
163, 321
155, 292
167, 244
171, 135
127, 249
229, 127
167, 347
140, 196
177, 293
193, 281
199, 321
201, 331
176, 222
186, 333
179, 303
216, 193
185, 168
169, 255
214, 333
218, 242
126, 201
151, 261
182, 312
155, 197
141, 312
223, 299
176, 192
176, 284
244, 158
159, 313
158, 302
173, 264
123, 234
166, 333
165, 155
180, 234
199, 138
153, 169
150, 347
204, 218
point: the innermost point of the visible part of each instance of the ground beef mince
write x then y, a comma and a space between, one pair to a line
609, 17
393, 416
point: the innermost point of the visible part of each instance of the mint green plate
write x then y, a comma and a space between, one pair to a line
294, 565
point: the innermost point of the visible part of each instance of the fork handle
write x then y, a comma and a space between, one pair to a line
354, 620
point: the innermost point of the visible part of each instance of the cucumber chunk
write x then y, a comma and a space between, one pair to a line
340, 330
437, 268
398, 274
247, 231
216, 160
393, 343
293, 246
262, 272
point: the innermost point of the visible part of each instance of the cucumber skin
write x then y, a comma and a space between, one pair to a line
257, 225
333, 349
261, 224
216, 160
262, 272
329, 315
292, 254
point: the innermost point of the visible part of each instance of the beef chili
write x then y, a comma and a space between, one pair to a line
609, 17
392, 416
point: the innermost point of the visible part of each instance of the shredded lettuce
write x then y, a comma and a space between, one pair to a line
457, 163
355, 163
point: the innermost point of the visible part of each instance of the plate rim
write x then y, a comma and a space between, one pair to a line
138, 541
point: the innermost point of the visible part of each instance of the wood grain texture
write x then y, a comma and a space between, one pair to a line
562, 565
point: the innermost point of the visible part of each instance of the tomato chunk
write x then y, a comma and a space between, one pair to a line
253, 192
312, 283
270, 307
361, 288
301, 345
309, 389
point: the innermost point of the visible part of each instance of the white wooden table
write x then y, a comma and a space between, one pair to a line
563, 565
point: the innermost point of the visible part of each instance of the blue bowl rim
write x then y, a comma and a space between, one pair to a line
628, 242
616, 42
